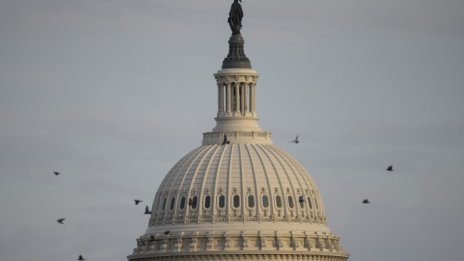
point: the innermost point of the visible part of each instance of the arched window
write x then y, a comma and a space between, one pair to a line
164, 203
309, 202
290, 202
236, 201
222, 201
207, 201
301, 200
278, 201
173, 202
194, 202
251, 201
265, 201
182, 203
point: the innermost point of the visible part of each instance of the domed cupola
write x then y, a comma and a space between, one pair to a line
237, 196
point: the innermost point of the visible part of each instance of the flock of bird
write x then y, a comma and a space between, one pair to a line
365, 201
190, 202
61, 220
389, 169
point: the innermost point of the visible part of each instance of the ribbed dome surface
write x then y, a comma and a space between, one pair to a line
237, 182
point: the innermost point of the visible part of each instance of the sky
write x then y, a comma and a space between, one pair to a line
112, 93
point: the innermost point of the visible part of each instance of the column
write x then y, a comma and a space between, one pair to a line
237, 97
246, 98
253, 98
242, 97
250, 90
229, 97
219, 98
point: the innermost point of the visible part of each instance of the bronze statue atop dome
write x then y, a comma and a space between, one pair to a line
236, 57
235, 17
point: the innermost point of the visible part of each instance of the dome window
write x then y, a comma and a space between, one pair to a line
194, 202
290, 201
309, 202
207, 201
164, 203
251, 201
236, 201
301, 200
265, 201
182, 203
222, 201
278, 201
173, 202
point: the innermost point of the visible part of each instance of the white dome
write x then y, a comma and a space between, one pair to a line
237, 199
234, 183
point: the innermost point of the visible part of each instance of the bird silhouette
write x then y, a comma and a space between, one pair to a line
80, 258
301, 200
296, 140
152, 238
167, 232
390, 168
56, 173
366, 201
61, 220
190, 202
147, 211
137, 201
225, 140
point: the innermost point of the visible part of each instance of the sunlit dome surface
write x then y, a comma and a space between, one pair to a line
237, 182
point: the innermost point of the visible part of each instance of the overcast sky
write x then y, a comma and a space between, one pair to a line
113, 92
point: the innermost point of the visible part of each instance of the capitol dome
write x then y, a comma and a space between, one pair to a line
237, 196
238, 183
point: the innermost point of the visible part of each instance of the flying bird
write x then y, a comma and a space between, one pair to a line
225, 141
56, 173
296, 140
137, 201
61, 220
80, 258
147, 211
390, 168
366, 201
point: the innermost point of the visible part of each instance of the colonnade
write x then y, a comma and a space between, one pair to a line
236, 98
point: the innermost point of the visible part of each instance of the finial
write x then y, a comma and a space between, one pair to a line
235, 17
